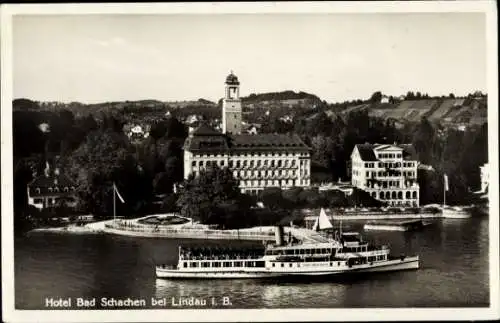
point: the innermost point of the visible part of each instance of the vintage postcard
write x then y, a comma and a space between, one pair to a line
266, 161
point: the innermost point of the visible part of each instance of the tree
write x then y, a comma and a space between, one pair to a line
158, 130
272, 198
103, 158
291, 196
336, 198
201, 195
168, 203
424, 138
376, 97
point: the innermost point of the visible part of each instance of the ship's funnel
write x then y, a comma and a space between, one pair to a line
278, 234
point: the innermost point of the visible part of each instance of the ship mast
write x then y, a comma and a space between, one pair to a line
114, 203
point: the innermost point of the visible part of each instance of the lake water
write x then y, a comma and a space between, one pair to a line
453, 253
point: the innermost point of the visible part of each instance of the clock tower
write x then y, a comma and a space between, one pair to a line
231, 106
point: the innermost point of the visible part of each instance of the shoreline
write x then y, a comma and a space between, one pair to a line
133, 228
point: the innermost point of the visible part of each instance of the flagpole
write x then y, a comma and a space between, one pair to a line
114, 203
444, 190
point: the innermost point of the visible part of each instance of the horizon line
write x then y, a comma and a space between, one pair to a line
216, 101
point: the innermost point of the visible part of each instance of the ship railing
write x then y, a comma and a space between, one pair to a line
220, 257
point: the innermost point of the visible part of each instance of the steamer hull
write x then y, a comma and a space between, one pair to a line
295, 270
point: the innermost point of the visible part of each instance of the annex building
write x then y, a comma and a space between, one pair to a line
387, 172
47, 190
256, 160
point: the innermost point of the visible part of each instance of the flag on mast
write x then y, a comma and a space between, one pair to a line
446, 188
118, 193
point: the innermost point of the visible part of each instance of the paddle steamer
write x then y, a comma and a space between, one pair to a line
343, 253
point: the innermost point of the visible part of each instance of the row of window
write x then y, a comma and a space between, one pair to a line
375, 258
56, 189
354, 249
308, 251
266, 173
386, 165
374, 174
395, 195
396, 155
257, 153
265, 183
388, 184
222, 264
248, 163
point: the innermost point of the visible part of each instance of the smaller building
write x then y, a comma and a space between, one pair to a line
387, 172
485, 177
136, 132
47, 190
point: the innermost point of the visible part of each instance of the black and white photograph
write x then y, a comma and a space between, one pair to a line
250, 161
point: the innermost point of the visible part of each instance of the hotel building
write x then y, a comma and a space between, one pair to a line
387, 172
256, 160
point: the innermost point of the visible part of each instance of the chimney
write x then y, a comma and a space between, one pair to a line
56, 171
278, 234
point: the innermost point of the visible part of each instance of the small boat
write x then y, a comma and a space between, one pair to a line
409, 225
345, 253
456, 212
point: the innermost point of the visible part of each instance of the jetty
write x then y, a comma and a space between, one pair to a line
387, 225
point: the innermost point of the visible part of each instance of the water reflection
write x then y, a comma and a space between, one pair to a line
453, 253
306, 295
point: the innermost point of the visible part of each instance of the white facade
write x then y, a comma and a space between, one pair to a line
256, 170
43, 198
485, 177
384, 172
45, 201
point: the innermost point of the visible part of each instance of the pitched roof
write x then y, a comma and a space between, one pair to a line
267, 141
206, 130
366, 152
210, 140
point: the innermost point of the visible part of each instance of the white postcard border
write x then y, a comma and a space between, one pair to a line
10, 314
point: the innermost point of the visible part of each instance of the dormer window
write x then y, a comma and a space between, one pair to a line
37, 190
50, 189
66, 189
72, 188
56, 189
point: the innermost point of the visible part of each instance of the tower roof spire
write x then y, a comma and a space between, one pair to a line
232, 79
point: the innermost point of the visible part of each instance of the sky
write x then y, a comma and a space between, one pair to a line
99, 58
